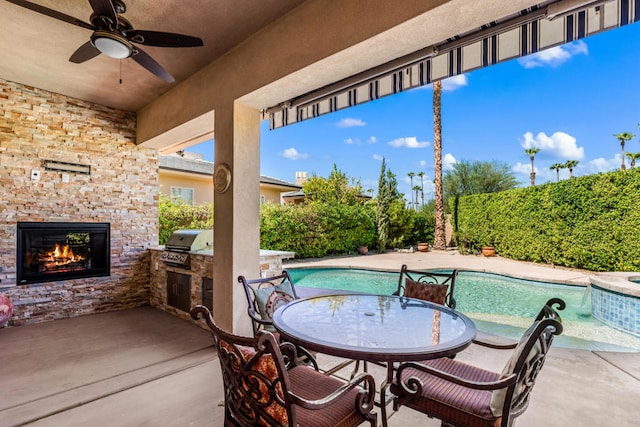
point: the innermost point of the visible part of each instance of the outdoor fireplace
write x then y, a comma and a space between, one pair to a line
50, 251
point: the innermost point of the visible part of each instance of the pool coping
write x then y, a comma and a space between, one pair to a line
618, 282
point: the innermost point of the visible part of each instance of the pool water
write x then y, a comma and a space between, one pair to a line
498, 304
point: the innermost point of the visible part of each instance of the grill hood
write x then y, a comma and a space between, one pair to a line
190, 240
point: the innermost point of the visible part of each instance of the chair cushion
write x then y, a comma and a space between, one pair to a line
312, 385
431, 292
448, 401
497, 400
268, 299
266, 379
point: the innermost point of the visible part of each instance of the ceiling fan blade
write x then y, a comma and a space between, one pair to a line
150, 64
104, 8
162, 39
84, 53
52, 13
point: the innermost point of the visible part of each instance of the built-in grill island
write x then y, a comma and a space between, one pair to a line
182, 271
177, 255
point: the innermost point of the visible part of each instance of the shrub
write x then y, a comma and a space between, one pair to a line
591, 222
424, 225
175, 214
316, 229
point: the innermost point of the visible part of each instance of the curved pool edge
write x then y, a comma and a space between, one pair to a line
578, 281
615, 301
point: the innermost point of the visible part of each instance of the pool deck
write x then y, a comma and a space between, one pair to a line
144, 367
392, 261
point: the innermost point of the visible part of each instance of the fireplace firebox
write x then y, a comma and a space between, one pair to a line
51, 251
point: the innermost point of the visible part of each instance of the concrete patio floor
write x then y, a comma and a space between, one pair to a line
144, 367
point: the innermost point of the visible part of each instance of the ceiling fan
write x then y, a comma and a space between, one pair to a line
114, 36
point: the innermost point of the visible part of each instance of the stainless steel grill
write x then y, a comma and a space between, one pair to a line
182, 242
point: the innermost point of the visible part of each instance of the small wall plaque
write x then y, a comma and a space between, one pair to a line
221, 177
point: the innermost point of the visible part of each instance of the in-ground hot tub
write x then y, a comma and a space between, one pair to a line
615, 300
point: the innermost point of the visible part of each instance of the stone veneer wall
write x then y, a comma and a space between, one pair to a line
201, 267
122, 190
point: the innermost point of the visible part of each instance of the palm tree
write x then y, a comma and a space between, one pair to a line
411, 175
556, 167
416, 189
570, 164
421, 175
623, 137
439, 232
633, 157
531, 152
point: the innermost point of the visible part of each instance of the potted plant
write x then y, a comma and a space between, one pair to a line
488, 251
363, 249
423, 247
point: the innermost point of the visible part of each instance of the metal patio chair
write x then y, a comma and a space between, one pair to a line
426, 285
264, 296
460, 394
265, 386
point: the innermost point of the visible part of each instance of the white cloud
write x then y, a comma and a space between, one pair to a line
560, 145
455, 82
423, 163
523, 168
409, 142
449, 84
352, 141
292, 154
605, 165
554, 56
448, 161
377, 157
372, 140
350, 122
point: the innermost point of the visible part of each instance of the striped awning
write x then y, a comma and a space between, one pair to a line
527, 32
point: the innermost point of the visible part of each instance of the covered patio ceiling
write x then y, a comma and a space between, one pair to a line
35, 49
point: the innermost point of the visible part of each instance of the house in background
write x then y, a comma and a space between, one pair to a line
190, 178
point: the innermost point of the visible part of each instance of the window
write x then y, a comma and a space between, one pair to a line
184, 194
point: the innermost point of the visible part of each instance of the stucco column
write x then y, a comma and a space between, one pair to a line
236, 214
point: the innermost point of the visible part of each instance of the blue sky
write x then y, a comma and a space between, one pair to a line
567, 101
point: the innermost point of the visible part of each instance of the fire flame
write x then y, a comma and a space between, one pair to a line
63, 255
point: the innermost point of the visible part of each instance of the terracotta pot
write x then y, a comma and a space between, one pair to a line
423, 247
363, 250
488, 251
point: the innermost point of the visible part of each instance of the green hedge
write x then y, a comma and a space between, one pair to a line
590, 222
174, 214
316, 229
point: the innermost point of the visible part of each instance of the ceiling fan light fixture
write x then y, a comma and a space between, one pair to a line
112, 45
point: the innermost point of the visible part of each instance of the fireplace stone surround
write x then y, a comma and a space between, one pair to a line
121, 189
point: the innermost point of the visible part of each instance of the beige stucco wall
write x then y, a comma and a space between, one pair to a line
202, 185
270, 194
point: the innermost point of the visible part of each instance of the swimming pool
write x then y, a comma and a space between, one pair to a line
498, 304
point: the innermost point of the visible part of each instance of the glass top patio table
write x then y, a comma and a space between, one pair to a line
381, 328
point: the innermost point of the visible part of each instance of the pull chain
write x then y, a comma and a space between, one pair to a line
121, 71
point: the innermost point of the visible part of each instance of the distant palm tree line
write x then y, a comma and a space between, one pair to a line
417, 191
622, 137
